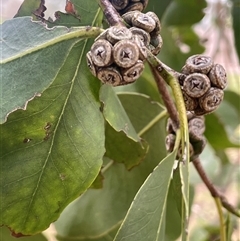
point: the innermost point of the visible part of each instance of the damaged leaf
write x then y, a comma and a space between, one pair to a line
78, 13
29, 49
31, 8
52, 151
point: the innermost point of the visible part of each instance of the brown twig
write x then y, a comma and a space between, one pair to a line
110, 13
212, 189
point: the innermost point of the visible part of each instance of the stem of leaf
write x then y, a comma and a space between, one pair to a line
221, 218
153, 122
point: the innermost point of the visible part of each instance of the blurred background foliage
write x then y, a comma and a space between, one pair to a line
210, 27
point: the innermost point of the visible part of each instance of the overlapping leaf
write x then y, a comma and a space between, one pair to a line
96, 213
51, 152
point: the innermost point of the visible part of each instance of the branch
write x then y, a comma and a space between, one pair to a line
212, 189
110, 13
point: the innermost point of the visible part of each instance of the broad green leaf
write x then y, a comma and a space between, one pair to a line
5, 235
216, 133
145, 215
32, 56
97, 212
184, 12
115, 114
236, 24
52, 152
122, 149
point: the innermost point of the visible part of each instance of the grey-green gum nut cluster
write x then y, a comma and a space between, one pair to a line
202, 84
148, 23
116, 57
196, 127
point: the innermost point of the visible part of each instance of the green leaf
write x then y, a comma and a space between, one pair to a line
236, 24
145, 215
216, 133
184, 12
32, 56
97, 212
120, 146
115, 114
53, 151
122, 149
5, 235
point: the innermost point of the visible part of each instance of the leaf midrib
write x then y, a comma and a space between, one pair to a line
83, 32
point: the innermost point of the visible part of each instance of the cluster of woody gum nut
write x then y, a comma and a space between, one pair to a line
117, 58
